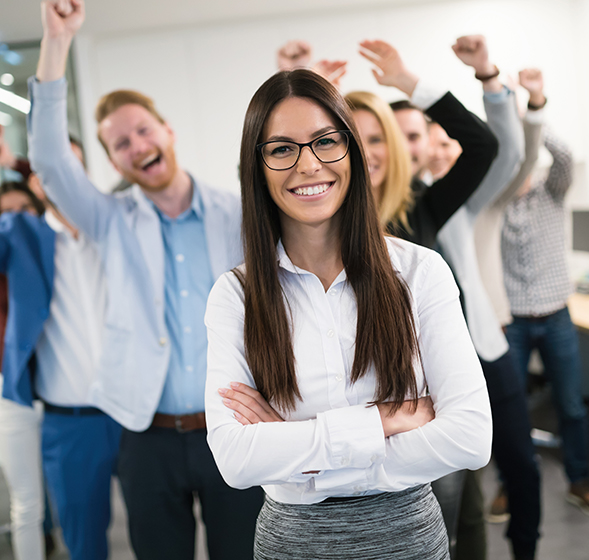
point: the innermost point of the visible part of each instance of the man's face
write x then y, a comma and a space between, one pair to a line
140, 147
414, 127
443, 151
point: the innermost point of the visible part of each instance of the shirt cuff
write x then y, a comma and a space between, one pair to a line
534, 117
425, 95
498, 96
356, 436
47, 90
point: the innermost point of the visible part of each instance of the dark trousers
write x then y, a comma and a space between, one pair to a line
448, 492
471, 535
557, 340
160, 471
514, 452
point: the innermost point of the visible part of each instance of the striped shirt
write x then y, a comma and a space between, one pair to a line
533, 240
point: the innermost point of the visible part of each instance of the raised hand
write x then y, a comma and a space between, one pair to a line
62, 17
332, 70
532, 80
405, 418
61, 20
472, 50
248, 405
390, 69
294, 54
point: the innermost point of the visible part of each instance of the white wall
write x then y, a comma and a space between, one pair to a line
202, 77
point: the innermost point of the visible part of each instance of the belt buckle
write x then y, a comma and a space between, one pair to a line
178, 424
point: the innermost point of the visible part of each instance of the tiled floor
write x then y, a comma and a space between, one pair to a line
565, 529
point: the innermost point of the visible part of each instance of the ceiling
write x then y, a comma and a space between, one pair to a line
20, 19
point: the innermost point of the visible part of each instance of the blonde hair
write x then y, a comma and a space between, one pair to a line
395, 194
112, 101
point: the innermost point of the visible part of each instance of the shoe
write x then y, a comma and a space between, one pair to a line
579, 495
499, 511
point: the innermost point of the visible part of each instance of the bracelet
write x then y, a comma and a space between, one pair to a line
488, 76
533, 107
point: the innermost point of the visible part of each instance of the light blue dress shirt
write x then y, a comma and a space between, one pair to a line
188, 281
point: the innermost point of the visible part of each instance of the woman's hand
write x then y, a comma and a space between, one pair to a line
248, 405
406, 419
331, 70
390, 69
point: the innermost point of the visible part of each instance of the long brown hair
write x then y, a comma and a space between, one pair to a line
385, 334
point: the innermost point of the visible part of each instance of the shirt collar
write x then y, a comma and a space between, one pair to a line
196, 205
285, 263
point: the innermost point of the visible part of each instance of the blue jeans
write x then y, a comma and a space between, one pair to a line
556, 339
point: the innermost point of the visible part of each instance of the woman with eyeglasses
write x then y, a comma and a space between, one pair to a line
341, 376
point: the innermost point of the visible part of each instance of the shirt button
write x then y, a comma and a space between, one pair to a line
184, 293
358, 489
374, 458
345, 461
189, 368
157, 301
333, 292
330, 333
163, 341
338, 377
180, 258
187, 330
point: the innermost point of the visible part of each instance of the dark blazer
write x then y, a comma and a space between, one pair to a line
435, 205
27, 246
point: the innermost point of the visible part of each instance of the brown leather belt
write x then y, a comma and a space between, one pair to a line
181, 423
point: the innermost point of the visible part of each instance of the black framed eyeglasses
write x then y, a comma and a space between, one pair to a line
280, 155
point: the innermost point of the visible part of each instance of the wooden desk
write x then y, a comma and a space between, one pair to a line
579, 309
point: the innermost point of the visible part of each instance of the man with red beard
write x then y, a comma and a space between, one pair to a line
163, 244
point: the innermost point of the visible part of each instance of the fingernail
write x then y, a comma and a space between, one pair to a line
226, 402
222, 391
234, 385
237, 415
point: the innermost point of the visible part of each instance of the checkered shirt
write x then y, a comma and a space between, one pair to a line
533, 240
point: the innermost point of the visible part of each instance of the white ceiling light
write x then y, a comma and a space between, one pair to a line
7, 79
5, 119
15, 101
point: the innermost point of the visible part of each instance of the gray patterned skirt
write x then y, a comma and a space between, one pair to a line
405, 525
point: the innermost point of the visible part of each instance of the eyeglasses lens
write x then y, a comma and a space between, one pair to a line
327, 148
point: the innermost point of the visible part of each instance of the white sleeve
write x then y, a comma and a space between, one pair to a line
274, 452
460, 435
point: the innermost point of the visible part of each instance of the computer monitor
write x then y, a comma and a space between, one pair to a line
581, 230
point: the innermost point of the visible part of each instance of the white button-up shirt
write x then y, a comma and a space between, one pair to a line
332, 430
70, 345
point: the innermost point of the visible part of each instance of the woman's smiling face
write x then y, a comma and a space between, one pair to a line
311, 192
375, 146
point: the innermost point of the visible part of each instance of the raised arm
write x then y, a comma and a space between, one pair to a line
61, 173
479, 145
531, 80
560, 176
502, 118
